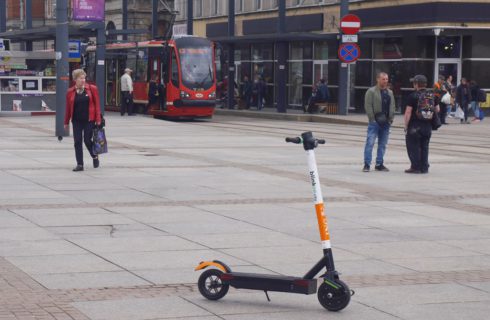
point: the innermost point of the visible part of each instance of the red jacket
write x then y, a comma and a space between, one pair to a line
93, 106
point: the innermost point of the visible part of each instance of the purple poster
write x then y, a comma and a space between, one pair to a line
88, 10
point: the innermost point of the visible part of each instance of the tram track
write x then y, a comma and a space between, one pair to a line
450, 143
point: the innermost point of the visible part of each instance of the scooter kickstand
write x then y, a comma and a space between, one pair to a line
267, 295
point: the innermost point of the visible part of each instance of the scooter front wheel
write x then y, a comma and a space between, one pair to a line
334, 296
211, 286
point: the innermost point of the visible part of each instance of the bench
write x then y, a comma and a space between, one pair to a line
327, 107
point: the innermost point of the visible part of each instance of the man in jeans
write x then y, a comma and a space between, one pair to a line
378, 99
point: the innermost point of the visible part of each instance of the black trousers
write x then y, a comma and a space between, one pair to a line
126, 103
442, 112
82, 132
417, 141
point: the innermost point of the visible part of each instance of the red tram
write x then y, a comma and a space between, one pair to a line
185, 66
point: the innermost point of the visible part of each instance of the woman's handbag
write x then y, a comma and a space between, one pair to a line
381, 118
99, 141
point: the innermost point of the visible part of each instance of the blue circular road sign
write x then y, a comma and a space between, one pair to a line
349, 52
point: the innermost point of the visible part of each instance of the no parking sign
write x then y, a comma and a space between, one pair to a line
349, 52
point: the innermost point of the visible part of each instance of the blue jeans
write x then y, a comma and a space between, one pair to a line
475, 105
375, 131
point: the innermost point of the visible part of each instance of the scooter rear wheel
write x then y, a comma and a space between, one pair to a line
334, 296
211, 286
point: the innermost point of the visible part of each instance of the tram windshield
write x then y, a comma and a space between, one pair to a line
197, 67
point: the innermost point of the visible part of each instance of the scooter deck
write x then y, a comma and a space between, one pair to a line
266, 282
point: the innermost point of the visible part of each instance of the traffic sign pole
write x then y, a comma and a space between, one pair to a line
343, 99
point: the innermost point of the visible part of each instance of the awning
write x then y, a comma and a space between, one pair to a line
276, 37
49, 33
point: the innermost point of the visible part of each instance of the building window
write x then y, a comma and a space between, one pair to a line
388, 48
449, 47
197, 8
239, 5
258, 5
215, 7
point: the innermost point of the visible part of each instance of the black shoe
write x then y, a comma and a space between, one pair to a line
96, 162
412, 170
381, 167
78, 168
366, 168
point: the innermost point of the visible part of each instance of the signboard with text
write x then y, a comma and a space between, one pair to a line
88, 10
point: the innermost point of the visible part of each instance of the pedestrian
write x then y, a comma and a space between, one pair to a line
463, 97
440, 89
379, 104
153, 93
475, 104
320, 94
83, 109
258, 92
451, 89
246, 93
418, 128
127, 92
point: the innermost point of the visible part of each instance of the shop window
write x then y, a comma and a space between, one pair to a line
263, 70
296, 83
333, 73
363, 73
448, 47
9, 85
478, 72
388, 48
49, 85
321, 51
262, 52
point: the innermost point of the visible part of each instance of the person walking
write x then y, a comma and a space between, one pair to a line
418, 128
83, 109
463, 98
379, 104
246, 93
440, 89
153, 94
127, 92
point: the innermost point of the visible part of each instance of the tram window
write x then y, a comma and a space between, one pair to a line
175, 70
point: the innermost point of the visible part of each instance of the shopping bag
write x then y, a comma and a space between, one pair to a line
99, 141
459, 114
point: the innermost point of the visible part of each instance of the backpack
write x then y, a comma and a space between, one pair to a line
425, 106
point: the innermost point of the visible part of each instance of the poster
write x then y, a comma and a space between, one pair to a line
17, 105
88, 10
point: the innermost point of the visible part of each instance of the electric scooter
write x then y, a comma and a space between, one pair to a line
333, 294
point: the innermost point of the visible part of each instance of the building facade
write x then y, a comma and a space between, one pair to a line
401, 38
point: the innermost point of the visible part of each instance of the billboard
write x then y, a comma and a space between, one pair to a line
88, 10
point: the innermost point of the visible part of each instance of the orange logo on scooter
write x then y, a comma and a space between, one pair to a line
322, 222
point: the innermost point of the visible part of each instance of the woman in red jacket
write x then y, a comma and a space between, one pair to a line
83, 109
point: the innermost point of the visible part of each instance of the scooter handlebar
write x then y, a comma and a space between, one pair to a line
296, 140
321, 141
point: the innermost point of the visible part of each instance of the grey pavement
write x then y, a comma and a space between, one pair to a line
122, 241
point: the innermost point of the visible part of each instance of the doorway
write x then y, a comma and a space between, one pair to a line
448, 68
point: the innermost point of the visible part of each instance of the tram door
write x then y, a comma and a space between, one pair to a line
112, 83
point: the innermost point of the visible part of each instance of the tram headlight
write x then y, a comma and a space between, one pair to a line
184, 95
212, 95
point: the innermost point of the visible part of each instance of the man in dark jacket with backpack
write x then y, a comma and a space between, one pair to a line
421, 108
